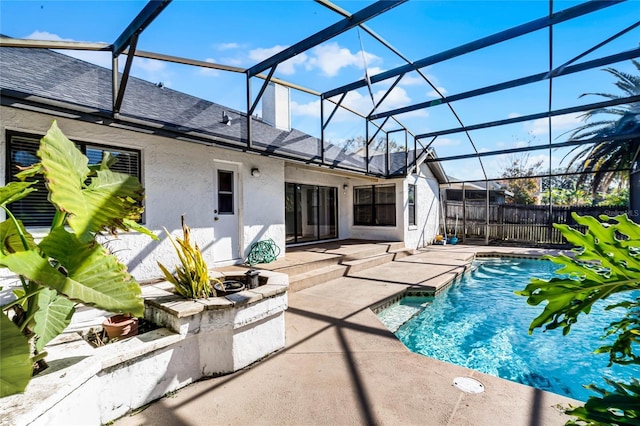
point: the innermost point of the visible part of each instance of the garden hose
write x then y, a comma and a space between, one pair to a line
264, 251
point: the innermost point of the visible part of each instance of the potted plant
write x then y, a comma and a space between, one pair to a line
68, 265
191, 278
120, 326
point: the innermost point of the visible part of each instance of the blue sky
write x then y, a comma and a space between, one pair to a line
241, 33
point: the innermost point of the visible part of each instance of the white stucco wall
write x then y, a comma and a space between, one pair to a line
427, 204
178, 177
325, 177
427, 209
384, 233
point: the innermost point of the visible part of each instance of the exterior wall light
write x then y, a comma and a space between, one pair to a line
255, 172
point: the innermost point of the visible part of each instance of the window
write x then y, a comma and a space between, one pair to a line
35, 209
411, 204
374, 205
225, 192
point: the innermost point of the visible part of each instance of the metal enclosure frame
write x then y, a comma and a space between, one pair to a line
126, 44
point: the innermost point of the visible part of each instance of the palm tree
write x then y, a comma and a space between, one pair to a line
620, 154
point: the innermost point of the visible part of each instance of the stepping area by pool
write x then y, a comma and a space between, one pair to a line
342, 366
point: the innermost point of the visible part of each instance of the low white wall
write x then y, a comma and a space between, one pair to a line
178, 177
92, 386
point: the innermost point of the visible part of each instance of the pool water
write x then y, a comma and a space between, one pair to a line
481, 324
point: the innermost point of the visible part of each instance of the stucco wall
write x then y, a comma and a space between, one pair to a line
427, 204
427, 209
178, 177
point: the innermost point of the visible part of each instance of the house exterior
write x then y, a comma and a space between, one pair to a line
456, 190
193, 158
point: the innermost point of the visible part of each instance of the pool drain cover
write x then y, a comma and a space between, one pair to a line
468, 385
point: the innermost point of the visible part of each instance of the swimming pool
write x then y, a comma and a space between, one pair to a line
481, 324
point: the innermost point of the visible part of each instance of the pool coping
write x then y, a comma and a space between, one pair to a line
428, 291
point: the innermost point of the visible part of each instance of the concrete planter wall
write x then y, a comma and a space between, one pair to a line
232, 331
92, 386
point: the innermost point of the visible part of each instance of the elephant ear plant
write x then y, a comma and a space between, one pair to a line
68, 265
606, 262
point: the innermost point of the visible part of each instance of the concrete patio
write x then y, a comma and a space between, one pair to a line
342, 366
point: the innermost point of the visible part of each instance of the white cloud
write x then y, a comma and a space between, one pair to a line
374, 71
330, 58
311, 109
149, 69
287, 67
445, 142
411, 80
45, 35
227, 46
417, 80
260, 54
361, 102
561, 123
209, 72
149, 65
238, 62
435, 94
514, 115
102, 59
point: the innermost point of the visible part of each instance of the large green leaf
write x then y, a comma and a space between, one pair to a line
65, 169
15, 363
109, 199
10, 240
618, 407
52, 317
102, 204
87, 273
15, 191
603, 265
135, 226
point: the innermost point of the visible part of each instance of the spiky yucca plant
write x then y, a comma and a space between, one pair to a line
191, 278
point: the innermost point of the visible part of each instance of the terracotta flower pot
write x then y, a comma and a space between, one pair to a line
121, 326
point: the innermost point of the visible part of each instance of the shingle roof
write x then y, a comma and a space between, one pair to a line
62, 78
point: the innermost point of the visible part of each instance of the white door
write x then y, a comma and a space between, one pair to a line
225, 213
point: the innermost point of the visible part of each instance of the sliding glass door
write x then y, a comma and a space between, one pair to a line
310, 212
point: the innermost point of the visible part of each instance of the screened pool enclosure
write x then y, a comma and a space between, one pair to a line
522, 110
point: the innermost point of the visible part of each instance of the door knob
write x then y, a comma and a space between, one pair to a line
215, 211
216, 218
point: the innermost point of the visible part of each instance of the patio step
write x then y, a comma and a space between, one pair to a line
316, 276
302, 268
309, 265
372, 250
362, 264
368, 262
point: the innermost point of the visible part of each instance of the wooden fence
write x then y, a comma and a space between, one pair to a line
516, 223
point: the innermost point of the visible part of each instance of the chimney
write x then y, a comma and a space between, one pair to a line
276, 109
